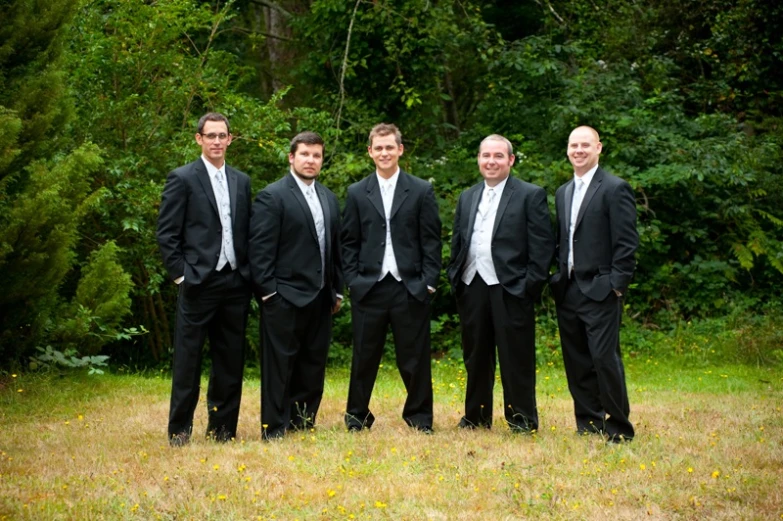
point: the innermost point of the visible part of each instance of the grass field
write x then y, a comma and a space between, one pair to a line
709, 445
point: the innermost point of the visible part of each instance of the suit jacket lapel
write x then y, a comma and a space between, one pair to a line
297, 193
203, 177
231, 177
400, 193
327, 216
474, 203
374, 194
595, 184
568, 197
508, 191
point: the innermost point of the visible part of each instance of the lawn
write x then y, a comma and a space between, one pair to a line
709, 445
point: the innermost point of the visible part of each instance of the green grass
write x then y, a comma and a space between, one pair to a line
709, 446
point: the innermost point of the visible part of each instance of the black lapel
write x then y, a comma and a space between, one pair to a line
400, 193
203, 177
374, 194
299, 196
595, 184
508, 192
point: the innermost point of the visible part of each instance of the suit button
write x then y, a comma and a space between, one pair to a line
383, 225
319, 270
379, 263
383, 243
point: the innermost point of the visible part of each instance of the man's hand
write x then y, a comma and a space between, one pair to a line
337, 305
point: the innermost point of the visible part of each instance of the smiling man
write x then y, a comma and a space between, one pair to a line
391, 259
596, 247
501, 249
202, 235
297, 277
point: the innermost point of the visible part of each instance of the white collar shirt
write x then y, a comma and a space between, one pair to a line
387, 188
219, 182
317, 213
480, 250
581, 184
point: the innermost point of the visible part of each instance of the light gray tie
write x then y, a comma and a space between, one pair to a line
486, 202
318, 219
223, 200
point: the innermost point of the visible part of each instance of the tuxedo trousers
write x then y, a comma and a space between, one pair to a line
387, 304
492, 317
590, 338
216, 309
295, 346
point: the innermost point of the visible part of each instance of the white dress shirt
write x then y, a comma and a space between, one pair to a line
387, 187
480, 250
317, 212
581, 184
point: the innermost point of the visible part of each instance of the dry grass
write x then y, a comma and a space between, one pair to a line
710, 446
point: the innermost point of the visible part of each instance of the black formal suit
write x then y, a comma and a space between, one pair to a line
588, 309
502, 314
285, 261
405, 305
210, 303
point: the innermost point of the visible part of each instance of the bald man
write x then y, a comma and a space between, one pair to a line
596, 247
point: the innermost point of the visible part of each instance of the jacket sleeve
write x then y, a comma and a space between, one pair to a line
350, 239
540, 245
429, 234
171, 222
456, 245
265, 223
624, 236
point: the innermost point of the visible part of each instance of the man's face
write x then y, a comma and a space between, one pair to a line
214, 140
385, 152
583, 150
306, 162
494, 161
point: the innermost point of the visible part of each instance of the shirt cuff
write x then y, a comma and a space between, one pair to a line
431, 289
339, 296
264, 299
179, 280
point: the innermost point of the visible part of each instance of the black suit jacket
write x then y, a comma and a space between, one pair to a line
189, 229
284, 253
415, 233
522, 242
605, 237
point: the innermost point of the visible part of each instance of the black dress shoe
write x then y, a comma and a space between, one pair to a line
424, 429
179, 440
464, 423
618, 439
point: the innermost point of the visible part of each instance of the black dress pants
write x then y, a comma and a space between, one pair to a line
217, 308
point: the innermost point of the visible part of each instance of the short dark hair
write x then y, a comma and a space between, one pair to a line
307, 138
385, 129
212, 116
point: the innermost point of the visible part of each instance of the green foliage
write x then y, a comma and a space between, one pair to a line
38, 233
69, 359
102, 299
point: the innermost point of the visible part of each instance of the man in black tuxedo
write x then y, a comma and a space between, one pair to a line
202, 235
501, 249
297, 277
596, 247
391, 259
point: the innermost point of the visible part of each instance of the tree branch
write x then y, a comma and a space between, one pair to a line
345, 66
272, 5
551, 10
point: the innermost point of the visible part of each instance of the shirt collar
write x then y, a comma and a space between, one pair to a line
588, 176
211, 169
391, 182
498, 188
304, 187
